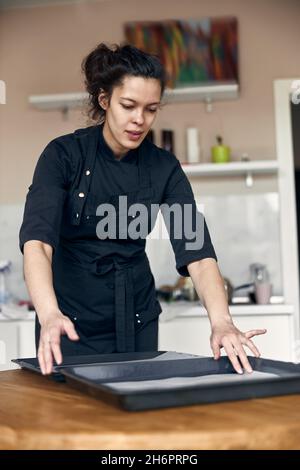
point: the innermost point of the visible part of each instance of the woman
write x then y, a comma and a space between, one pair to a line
92, 288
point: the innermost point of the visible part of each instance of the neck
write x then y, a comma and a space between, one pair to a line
118, 151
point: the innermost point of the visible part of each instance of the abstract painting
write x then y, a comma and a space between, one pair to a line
192, 51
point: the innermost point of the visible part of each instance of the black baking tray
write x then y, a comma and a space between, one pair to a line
141, 381
32, 363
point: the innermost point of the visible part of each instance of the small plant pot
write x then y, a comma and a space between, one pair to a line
220, 153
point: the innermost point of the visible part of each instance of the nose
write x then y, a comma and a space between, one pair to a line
139, 117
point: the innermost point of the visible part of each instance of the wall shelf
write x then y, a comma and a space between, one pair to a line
60, 101
230, 168
205, 93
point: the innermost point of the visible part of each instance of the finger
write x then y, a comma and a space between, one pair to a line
232, 356
48, 356
251, 333
54, 340
55, 345
242, 355
252, 347
41, 359
70, 330
216, 350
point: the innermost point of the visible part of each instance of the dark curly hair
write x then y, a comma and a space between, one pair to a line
106, 66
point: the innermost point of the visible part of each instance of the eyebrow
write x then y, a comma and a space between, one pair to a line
134, 101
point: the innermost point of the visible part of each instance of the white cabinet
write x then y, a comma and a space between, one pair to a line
9, 347
182, 328
26, 339
186, 328
16, 340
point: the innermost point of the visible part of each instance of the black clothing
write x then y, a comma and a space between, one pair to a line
105, 286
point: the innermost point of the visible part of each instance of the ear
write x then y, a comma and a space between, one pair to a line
103, 100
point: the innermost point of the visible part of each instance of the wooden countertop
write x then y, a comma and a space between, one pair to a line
38, 413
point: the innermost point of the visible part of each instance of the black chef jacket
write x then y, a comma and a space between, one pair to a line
105, 286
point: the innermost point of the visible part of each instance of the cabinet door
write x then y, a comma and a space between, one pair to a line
277, 343
185, 334
27, 339
191, 335
8, 344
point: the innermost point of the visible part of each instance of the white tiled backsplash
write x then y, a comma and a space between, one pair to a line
11, 216
244, 230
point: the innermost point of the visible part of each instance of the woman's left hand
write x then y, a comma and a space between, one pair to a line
226, 335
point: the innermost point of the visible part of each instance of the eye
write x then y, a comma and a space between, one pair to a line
152, 110
126, 106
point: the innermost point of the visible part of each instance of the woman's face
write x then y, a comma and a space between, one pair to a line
130, 113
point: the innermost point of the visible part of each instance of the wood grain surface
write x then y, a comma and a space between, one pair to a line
38, 413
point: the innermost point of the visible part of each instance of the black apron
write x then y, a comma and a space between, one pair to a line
109, 297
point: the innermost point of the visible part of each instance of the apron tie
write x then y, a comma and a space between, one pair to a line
124, 307
124, 301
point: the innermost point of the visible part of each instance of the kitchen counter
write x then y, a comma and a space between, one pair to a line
195, 309
38, 413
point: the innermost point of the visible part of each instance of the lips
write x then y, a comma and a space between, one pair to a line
134, 132
134, 135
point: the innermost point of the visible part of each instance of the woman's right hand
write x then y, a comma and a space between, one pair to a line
52, 328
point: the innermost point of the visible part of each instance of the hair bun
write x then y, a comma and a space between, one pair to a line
105, 67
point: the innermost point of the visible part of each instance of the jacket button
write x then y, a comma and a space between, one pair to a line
137, 314
81, 194
139, 321
87, 172
76, 215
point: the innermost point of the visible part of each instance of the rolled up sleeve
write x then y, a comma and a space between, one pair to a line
45, 200
188, 231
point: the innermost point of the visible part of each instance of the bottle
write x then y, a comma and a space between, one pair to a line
193, 149
4, 269
167, 139
262, 285
259, 272
190, 290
